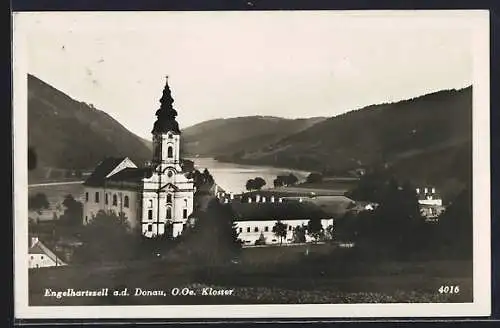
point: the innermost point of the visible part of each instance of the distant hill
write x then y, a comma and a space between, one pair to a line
68, 134
425, 139
223, 137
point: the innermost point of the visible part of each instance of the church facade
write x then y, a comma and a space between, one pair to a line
156, 199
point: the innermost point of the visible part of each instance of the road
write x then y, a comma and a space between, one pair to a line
54, 184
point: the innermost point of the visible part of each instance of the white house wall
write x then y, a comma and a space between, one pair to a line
91, 207
249, 238
40, 261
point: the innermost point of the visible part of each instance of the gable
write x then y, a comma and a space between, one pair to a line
126, 163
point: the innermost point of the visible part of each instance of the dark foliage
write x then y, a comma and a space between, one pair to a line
38, 201
255, 184
72, 216
213, 239
314, 177
280, 230
315, 228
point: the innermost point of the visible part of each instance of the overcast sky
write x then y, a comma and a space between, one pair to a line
228, 64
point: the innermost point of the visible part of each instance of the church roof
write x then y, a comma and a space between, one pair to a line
102, 170
131, 174
166, 114
277, 211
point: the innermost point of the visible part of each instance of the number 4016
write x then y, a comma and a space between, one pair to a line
449, 289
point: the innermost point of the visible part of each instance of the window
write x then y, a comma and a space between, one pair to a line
106, 199
170, 152
150, 227
150, 215
86, 219
150, 205
241, 230
266, 229
169, 198
256, 229
184, 213
185, 202
169, 135
289, 228
115, 200
169, 174
41, 257
32, 257
86, 196
248, 229
97, 197
125, 201
169, 212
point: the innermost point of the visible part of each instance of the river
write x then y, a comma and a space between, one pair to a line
232, 177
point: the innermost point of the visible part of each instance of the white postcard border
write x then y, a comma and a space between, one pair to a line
478, 20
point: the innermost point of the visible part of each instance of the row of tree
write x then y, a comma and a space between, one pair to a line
314, 229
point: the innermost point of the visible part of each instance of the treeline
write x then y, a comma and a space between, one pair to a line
396, 227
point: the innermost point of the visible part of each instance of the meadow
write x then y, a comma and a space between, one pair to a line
264, 275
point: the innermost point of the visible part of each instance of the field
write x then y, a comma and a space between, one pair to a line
56, 193
264, 275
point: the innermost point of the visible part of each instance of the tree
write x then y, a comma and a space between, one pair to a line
214, 238
73, 213
250, 184
261, 240
291, 180
279, 230
315, 228
330, 233
259, 183
107, 237
299, 234
38, 201
314, 178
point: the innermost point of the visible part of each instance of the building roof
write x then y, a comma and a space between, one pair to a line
102, 170
39, 248
131, 174
277, 211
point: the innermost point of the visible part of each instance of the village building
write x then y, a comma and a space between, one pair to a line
157, 198
430, 203
40, 256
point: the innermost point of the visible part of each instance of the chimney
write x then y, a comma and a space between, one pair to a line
34, 240
418, 190
263, 199
257, 198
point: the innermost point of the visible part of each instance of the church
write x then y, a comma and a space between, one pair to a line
156, 199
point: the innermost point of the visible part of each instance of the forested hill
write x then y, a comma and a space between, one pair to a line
227, 136
69, 134
427, 138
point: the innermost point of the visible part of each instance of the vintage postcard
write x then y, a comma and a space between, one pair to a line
264, 164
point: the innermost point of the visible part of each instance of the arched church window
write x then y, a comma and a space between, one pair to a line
169, 135
169, 198
115, 200
169, 212
185, 202
106, 199
125, 201
170, 152
150, 205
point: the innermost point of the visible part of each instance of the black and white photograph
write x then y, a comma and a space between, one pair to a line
280, 164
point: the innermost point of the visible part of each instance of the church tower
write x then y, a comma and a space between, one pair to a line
167, 197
